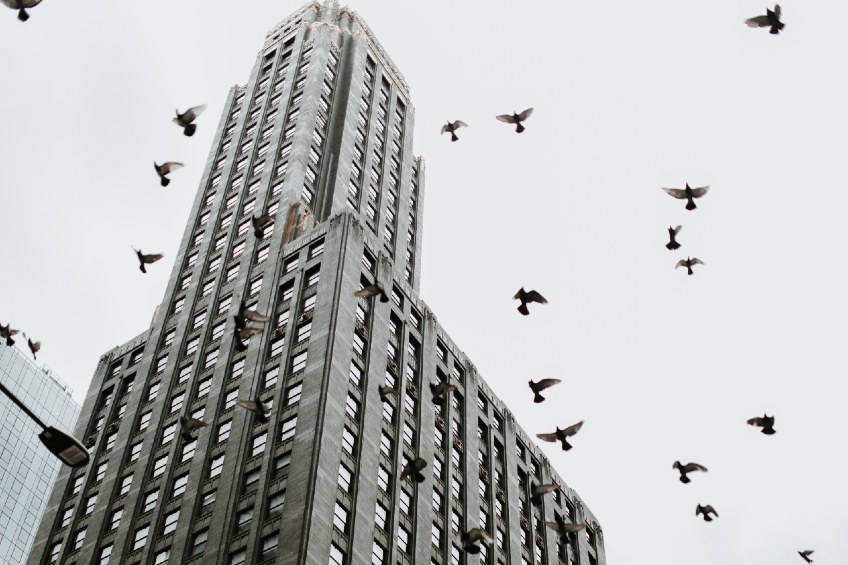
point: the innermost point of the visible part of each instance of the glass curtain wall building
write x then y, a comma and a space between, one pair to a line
27, 469
320, 137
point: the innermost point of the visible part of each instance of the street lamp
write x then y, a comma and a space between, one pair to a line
65, 447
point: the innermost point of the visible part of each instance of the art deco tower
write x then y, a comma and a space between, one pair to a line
321, 137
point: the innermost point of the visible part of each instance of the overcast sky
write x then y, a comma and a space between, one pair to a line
628, 97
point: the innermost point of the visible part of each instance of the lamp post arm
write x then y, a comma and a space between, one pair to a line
22, 406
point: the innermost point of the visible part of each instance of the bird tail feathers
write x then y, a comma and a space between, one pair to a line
190, 129
538, 397
672, 245
519, 128
453, 136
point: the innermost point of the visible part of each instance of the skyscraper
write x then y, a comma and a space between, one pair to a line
320, 138
27, 468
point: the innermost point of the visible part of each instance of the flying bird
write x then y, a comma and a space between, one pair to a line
441, 392
766, 423
164, 169
386, 391
562, 435
770, 20
538, 387
451, 127
564, 528
472, 539
19, 5
188, 425
245, 314
146, 259
34, 346
260, 223
805, 555
6, 332
688, 468
688, 194
372, 290
688, 263
186, 119
526, 298
538, 491
257, 407
515, 119
413, 469
705, 511
672, 243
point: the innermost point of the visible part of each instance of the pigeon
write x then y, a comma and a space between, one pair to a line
516, 119
245, 314
705, 511
527, 297
564, 528
770, 20
451, 127
672, 243
766, 423
688, 468
19, 5
242, 334
164, 169
688, 193
372, 290
34, 346
441, 392
6, 332
386, 390
538, 387
260, 223
688, 263
257, 407
413, 469
472, 539
562, 435
188, 425
805, 555
186, 119
146, 259
538, 491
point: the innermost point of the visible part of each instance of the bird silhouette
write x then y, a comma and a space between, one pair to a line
564, 528
257, 407
245, 314
372, 290
672, 243
146, 259
441, 392
688, 263
562, 435
472, 539
386, 391
19, 5
165, 169
538, 387
6, 332
689, 194
451, 127
188, 425
538, 491
515, 119
706, 512
805, 555
527, 297
686, 469
766, 423
260, 223
34, 346
186, 119
413, 469
771, 20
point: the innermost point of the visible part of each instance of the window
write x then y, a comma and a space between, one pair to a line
287, 291
405, 501
211, 357
203, 387
238, 249
162, 557
386, 445
251, 481
224, 430
159, 466
140, 537
270, 378
125, 485
79, 538
160, 363
168, 340
216, 465
403, 539
293, 394
207, 501
281, 465
277, 346
276, 503
110, 440
337, 556
198, 542
230, 399
243, 520
262, 254
192, 345
179, 485
269, 546
135, 452
232, 273
188, 451
437, 536
170, 522
303, 332
287, 428
259, 444
352, 407
185, 373
177, 402
255, 286
349, 441
66, 516
238, 557
290, 265
105, 554
316, 249
224, 304
150, 501
340, 516
381, 516
185, 282
298, 362
168, 433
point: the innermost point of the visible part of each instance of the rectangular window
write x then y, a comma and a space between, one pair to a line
177, 402
287, 429
216, 465
258, 445
198, 543
276, 503
179, 485
349, 441
298, 362
135, 452
159, 466
224, 304
150, 501
171, 522
270, 378
115, 520
211, 357
340, 516
203, 387
140, 537
293, 394
232, 273
126, 482
224, 430
230, 399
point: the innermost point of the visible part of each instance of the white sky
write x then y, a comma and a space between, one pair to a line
628, 97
